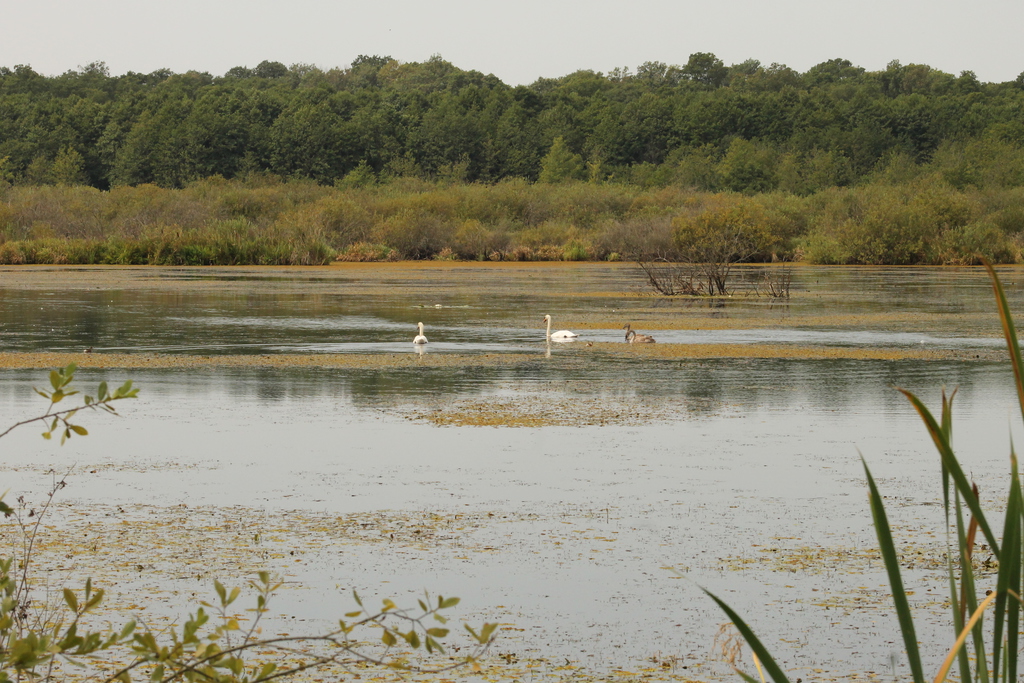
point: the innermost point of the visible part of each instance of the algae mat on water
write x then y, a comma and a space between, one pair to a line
454, 360
149, 558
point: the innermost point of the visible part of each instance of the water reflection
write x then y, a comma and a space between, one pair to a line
713, 386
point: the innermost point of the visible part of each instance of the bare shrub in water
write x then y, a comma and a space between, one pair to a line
710, 243
774, 281
671, 278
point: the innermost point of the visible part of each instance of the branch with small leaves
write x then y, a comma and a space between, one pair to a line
34, 634
219, 654
60, 381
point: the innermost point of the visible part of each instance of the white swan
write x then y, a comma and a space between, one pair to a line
419, 338
561, 335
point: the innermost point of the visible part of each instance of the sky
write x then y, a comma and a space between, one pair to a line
518, 42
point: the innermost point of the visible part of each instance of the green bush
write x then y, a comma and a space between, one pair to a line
888, 225
971, 244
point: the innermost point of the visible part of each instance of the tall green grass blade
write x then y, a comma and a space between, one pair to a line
950, 462
947, 414
892, 567
767, 661
1010, 332
958, 648
968, 597
957, 599
947, 429
1006, 611
962, 594
1014, 510
947, 432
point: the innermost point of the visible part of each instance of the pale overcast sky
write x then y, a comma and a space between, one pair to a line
517, 41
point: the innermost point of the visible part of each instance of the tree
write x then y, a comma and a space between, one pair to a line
266, 69
310, 142
39, 171
746, 167
747, 67
832, 71
706, 69
657, 74
239, 72
6, 173
514, 146
68, 168
561, 164
375, 62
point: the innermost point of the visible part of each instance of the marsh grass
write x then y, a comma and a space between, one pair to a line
230, 242
254, 220
987, 652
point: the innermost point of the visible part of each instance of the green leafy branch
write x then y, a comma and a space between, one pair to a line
219, 655
60, 381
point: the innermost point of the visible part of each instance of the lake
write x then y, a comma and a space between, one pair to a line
286, 421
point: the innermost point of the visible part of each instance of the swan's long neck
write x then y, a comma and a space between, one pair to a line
549, 326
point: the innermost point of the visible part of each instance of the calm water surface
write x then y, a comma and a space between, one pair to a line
750, 454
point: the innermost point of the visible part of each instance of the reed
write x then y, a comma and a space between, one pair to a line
231, 243
983, 652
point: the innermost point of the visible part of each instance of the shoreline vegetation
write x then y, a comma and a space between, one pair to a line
386, 161
269, 221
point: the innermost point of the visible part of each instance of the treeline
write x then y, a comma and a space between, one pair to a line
704, 125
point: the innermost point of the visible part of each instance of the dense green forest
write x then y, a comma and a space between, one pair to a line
422, 160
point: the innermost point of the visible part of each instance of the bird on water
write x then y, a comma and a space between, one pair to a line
560, 335
633, 337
